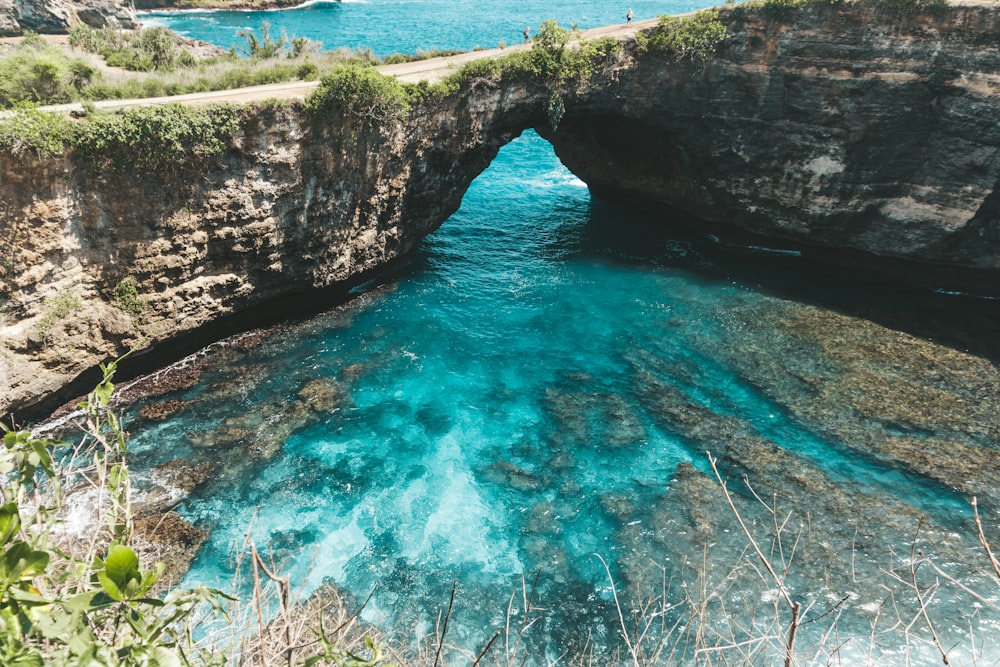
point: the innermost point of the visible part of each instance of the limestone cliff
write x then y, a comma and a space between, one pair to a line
835, 126
57, 16
293, 206
840, 126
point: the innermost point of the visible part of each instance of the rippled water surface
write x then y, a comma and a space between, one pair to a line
408, 26
537, 393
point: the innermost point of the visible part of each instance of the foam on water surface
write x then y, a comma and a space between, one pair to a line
540, 388
408, 26
531, 394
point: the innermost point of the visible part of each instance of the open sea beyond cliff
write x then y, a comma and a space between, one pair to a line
537, 390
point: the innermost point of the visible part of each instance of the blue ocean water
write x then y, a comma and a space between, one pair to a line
536, 394
408, 26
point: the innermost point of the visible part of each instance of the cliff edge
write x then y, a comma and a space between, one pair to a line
848, 127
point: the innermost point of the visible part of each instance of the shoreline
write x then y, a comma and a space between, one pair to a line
270, 7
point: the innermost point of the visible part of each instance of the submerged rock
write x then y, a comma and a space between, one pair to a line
509, 475
830, 525
158, 411
582, 418
909, 403
263, 431
322, 395
169, 539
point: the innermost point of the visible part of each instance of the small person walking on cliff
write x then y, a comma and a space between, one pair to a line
527, 34
628, 17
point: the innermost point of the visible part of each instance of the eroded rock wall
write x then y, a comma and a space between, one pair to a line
839, 126
58, 16
834, 126
295, 205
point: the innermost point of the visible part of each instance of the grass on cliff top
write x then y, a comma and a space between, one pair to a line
156, 139
108, 64
551, 62
782, 9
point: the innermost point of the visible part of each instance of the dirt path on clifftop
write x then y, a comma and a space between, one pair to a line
430, 70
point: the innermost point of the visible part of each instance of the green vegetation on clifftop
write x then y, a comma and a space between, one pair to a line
159, 138
781, 10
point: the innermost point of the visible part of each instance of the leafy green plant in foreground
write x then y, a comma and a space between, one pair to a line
70, 605
91, 601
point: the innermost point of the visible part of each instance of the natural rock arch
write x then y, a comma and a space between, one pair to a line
834, 127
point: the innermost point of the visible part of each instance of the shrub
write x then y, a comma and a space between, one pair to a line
126, 299
157, 138
37, 72
398, 58
551, 37
360, 92
55, 310
691, 37
139, 51
262, 46
28, 130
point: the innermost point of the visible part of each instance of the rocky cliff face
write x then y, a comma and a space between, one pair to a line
835, 127
57, 16
294, 206
838, 126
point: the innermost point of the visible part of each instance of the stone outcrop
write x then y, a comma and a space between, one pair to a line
834, 126
58, 16
840, 126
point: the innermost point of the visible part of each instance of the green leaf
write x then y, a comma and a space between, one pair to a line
103, 393
110, 587
85, 602
152, 602
27, 598
59, 625
121, 566
20, 561
10, 522
44, 460
30, 659
150, 577
162, 657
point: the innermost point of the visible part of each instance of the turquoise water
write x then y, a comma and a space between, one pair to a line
536, 393
408, 26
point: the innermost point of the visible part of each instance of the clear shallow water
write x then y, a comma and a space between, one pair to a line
499, 410
540, 387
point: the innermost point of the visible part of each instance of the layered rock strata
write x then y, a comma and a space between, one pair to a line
838, 126
842, 127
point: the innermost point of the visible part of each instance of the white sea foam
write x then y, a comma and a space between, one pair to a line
338, 547
142, 13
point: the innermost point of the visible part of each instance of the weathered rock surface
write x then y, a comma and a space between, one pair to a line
57, 16
836, 126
